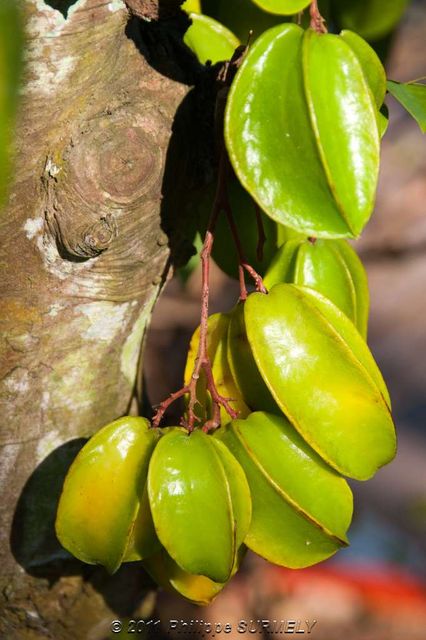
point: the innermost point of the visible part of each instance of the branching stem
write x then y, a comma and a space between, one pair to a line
202, 361
317, 21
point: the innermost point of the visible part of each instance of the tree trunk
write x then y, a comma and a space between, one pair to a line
104, 147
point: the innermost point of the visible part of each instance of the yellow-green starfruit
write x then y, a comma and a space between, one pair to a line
322, 375
197, 589
331, 267
102, 494
243, 367
301, 507
217, 330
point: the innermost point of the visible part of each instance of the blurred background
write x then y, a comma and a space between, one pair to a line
375, 589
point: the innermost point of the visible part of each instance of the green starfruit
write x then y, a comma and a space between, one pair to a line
302, 134
209, 39
301, 507
101, 497
197, 589
243, 367
217, 329
282, 7
323, 377
200, 503
225, 383
329, 266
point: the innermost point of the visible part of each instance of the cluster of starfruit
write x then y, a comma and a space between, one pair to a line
302, 129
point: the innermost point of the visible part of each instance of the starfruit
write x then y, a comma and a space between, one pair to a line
102, 492
217, 325
209, 39
217, 329
282, 7
200, 502
302, 133
225, 383
243, 367
329, 266
322, 375
301, 507
197, 589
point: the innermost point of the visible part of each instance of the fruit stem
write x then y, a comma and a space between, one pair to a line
202, 361
317, 21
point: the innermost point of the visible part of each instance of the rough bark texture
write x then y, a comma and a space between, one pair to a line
102, 154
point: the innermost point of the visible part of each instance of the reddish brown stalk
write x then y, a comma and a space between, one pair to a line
317, 21
241, 257
202, 361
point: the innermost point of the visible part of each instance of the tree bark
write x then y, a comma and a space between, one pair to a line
105, 147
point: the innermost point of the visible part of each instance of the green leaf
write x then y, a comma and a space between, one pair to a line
192, 6
323, 376
302, 137
102, 491
328, 266
11, 46
412, 96
200, 503
243, 367
372, 19
282, 7
301, 507
209, 39
241, 16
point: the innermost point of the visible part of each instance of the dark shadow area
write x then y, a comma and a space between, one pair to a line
33, 540
60, 5
188, 169
161, 44
36, 548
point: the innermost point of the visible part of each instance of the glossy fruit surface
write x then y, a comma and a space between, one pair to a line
225, 383
200, 502
301, 131
282, 7
217, 328
102, 491
209, 39
374, 72
301, 507
329, 266
243, 366
323, 376
197, 589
